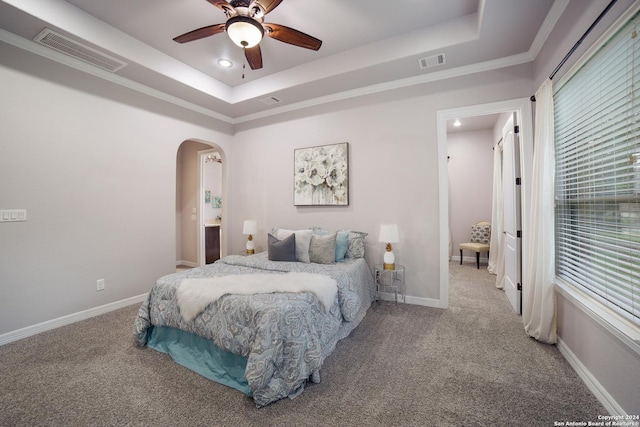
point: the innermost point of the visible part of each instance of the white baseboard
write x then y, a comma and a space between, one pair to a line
592, 383
426, 302
67, 320
186, 263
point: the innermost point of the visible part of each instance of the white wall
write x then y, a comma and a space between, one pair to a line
470, 183
95, 166
393, 168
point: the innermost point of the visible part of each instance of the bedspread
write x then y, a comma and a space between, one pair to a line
284, 336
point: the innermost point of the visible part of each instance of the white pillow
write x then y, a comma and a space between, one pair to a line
303, 240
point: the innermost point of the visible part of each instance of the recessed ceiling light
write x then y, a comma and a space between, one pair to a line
225, 63
457, 123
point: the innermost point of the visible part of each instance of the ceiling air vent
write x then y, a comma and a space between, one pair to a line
78, 50
432, 61
270, 100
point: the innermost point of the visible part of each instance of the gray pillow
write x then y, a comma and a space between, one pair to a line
355, 248
342, 241
322, 249
281, 250
303, 238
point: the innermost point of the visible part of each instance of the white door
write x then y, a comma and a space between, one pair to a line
511, 203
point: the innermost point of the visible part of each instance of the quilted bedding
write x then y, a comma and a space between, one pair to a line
285, 337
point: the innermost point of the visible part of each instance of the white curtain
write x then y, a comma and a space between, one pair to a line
539, 309
496, 245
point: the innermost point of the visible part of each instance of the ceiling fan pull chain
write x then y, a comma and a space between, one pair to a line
243, 68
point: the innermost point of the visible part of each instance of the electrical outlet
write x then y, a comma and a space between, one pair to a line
100, 285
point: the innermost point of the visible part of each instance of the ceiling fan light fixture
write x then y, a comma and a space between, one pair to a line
244, 32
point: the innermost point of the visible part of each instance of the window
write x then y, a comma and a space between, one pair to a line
597, 137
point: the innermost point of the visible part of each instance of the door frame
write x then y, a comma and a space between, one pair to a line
522, 107
200, 221
512, 215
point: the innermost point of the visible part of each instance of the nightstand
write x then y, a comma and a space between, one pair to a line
389, 281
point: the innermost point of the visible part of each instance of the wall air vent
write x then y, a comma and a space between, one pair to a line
270, 100
432, 61
78, 50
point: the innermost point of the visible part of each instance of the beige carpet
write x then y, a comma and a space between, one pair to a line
412, 366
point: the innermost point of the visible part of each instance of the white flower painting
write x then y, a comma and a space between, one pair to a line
321, 175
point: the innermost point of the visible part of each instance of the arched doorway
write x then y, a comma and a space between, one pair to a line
190, 201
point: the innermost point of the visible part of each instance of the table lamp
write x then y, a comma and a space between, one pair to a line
389, 235
250, 227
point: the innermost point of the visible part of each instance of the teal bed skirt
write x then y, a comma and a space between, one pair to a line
201, 356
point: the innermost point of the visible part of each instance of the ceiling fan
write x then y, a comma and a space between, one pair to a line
246, 27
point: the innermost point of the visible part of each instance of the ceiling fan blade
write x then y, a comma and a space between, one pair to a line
223, 5
268, 5
254, 57
291, 36
200, 33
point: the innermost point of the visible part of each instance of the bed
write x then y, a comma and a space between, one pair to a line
269, 344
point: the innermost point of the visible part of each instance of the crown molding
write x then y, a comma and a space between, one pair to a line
396, 84
37, 49
557, 9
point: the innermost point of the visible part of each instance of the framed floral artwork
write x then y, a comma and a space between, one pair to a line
321, 175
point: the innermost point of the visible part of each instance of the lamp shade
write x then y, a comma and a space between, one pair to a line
250, 226
244, 31
389, 233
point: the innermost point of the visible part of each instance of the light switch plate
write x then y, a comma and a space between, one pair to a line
13, 215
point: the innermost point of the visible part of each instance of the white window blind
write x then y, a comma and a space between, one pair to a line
597, 137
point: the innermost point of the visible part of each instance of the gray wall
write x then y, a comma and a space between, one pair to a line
95, 166
393, 168
470, 184
609, 365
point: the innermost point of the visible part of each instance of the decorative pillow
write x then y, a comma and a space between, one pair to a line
281, 250
322, 249
342, 241
355, 247
481, 234
303, 239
